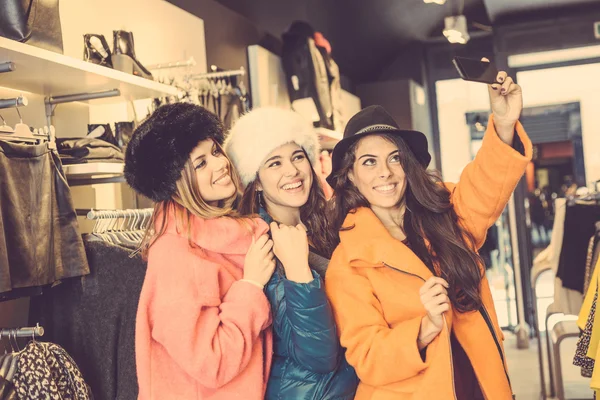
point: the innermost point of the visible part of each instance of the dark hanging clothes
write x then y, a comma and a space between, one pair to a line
46, 371
305, 70
335, 86
7, 390
86, 150
39, 235
596, 253
591, 258
518, 145
124, 241
490, 245
580, 226
20, 293
233, 109
465, 381
583, 344
93, 318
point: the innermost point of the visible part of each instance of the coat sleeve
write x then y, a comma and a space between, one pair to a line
486, 183
209, 337
308, 326
380, 354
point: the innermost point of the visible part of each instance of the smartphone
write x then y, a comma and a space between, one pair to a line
474, 70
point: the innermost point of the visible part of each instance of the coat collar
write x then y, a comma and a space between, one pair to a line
369, 244
265, 216
223, 235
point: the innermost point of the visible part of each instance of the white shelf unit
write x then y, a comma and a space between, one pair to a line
51, 74
47, 73
89, 170
328, 138
94, 173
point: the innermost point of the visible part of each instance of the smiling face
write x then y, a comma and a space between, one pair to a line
285, 178
377, 172
212, 170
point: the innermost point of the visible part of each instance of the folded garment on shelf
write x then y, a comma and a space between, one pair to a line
103, 132
86, 150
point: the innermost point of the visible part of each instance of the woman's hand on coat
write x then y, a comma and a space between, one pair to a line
259, 263
291, 248
434, 297
506, 99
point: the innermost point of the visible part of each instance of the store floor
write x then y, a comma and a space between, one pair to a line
525, 376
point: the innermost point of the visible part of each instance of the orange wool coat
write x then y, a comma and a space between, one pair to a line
373, 283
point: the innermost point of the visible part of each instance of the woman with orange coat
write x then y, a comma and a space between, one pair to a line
407, 286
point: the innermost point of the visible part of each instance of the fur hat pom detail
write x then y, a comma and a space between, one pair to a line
255, 135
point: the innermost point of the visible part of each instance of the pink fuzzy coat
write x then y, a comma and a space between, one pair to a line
200, 333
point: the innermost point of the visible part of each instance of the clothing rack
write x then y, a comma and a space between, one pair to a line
53, 101
589, 197
20, 101
36, 331
24, 133
7, 67
220, 74
48, 135
115, 214
120, 227
176, 64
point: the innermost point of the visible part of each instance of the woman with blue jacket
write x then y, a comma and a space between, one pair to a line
274, 152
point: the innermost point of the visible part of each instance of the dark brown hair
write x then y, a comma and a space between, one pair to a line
429, 218
313, 214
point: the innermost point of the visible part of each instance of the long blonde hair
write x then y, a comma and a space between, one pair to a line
187, 202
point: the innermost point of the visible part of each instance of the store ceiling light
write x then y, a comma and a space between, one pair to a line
455, 29
435, 1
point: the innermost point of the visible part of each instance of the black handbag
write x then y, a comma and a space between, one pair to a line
35, 22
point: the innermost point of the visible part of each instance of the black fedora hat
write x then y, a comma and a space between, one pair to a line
373, 120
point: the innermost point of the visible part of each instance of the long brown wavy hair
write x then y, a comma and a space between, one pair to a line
313, 214
432, 227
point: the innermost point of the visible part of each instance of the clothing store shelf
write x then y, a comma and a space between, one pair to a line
47, 73
328, 138
94, 173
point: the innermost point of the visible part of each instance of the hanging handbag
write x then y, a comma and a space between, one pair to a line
35, 22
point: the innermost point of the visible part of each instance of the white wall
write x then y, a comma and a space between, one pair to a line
267, 79
455, 98
569, 84
420, 116
162, 33
350, 105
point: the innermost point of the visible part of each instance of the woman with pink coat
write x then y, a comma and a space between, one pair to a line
203, 320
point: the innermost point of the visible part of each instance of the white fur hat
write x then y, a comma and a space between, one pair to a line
261, 131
